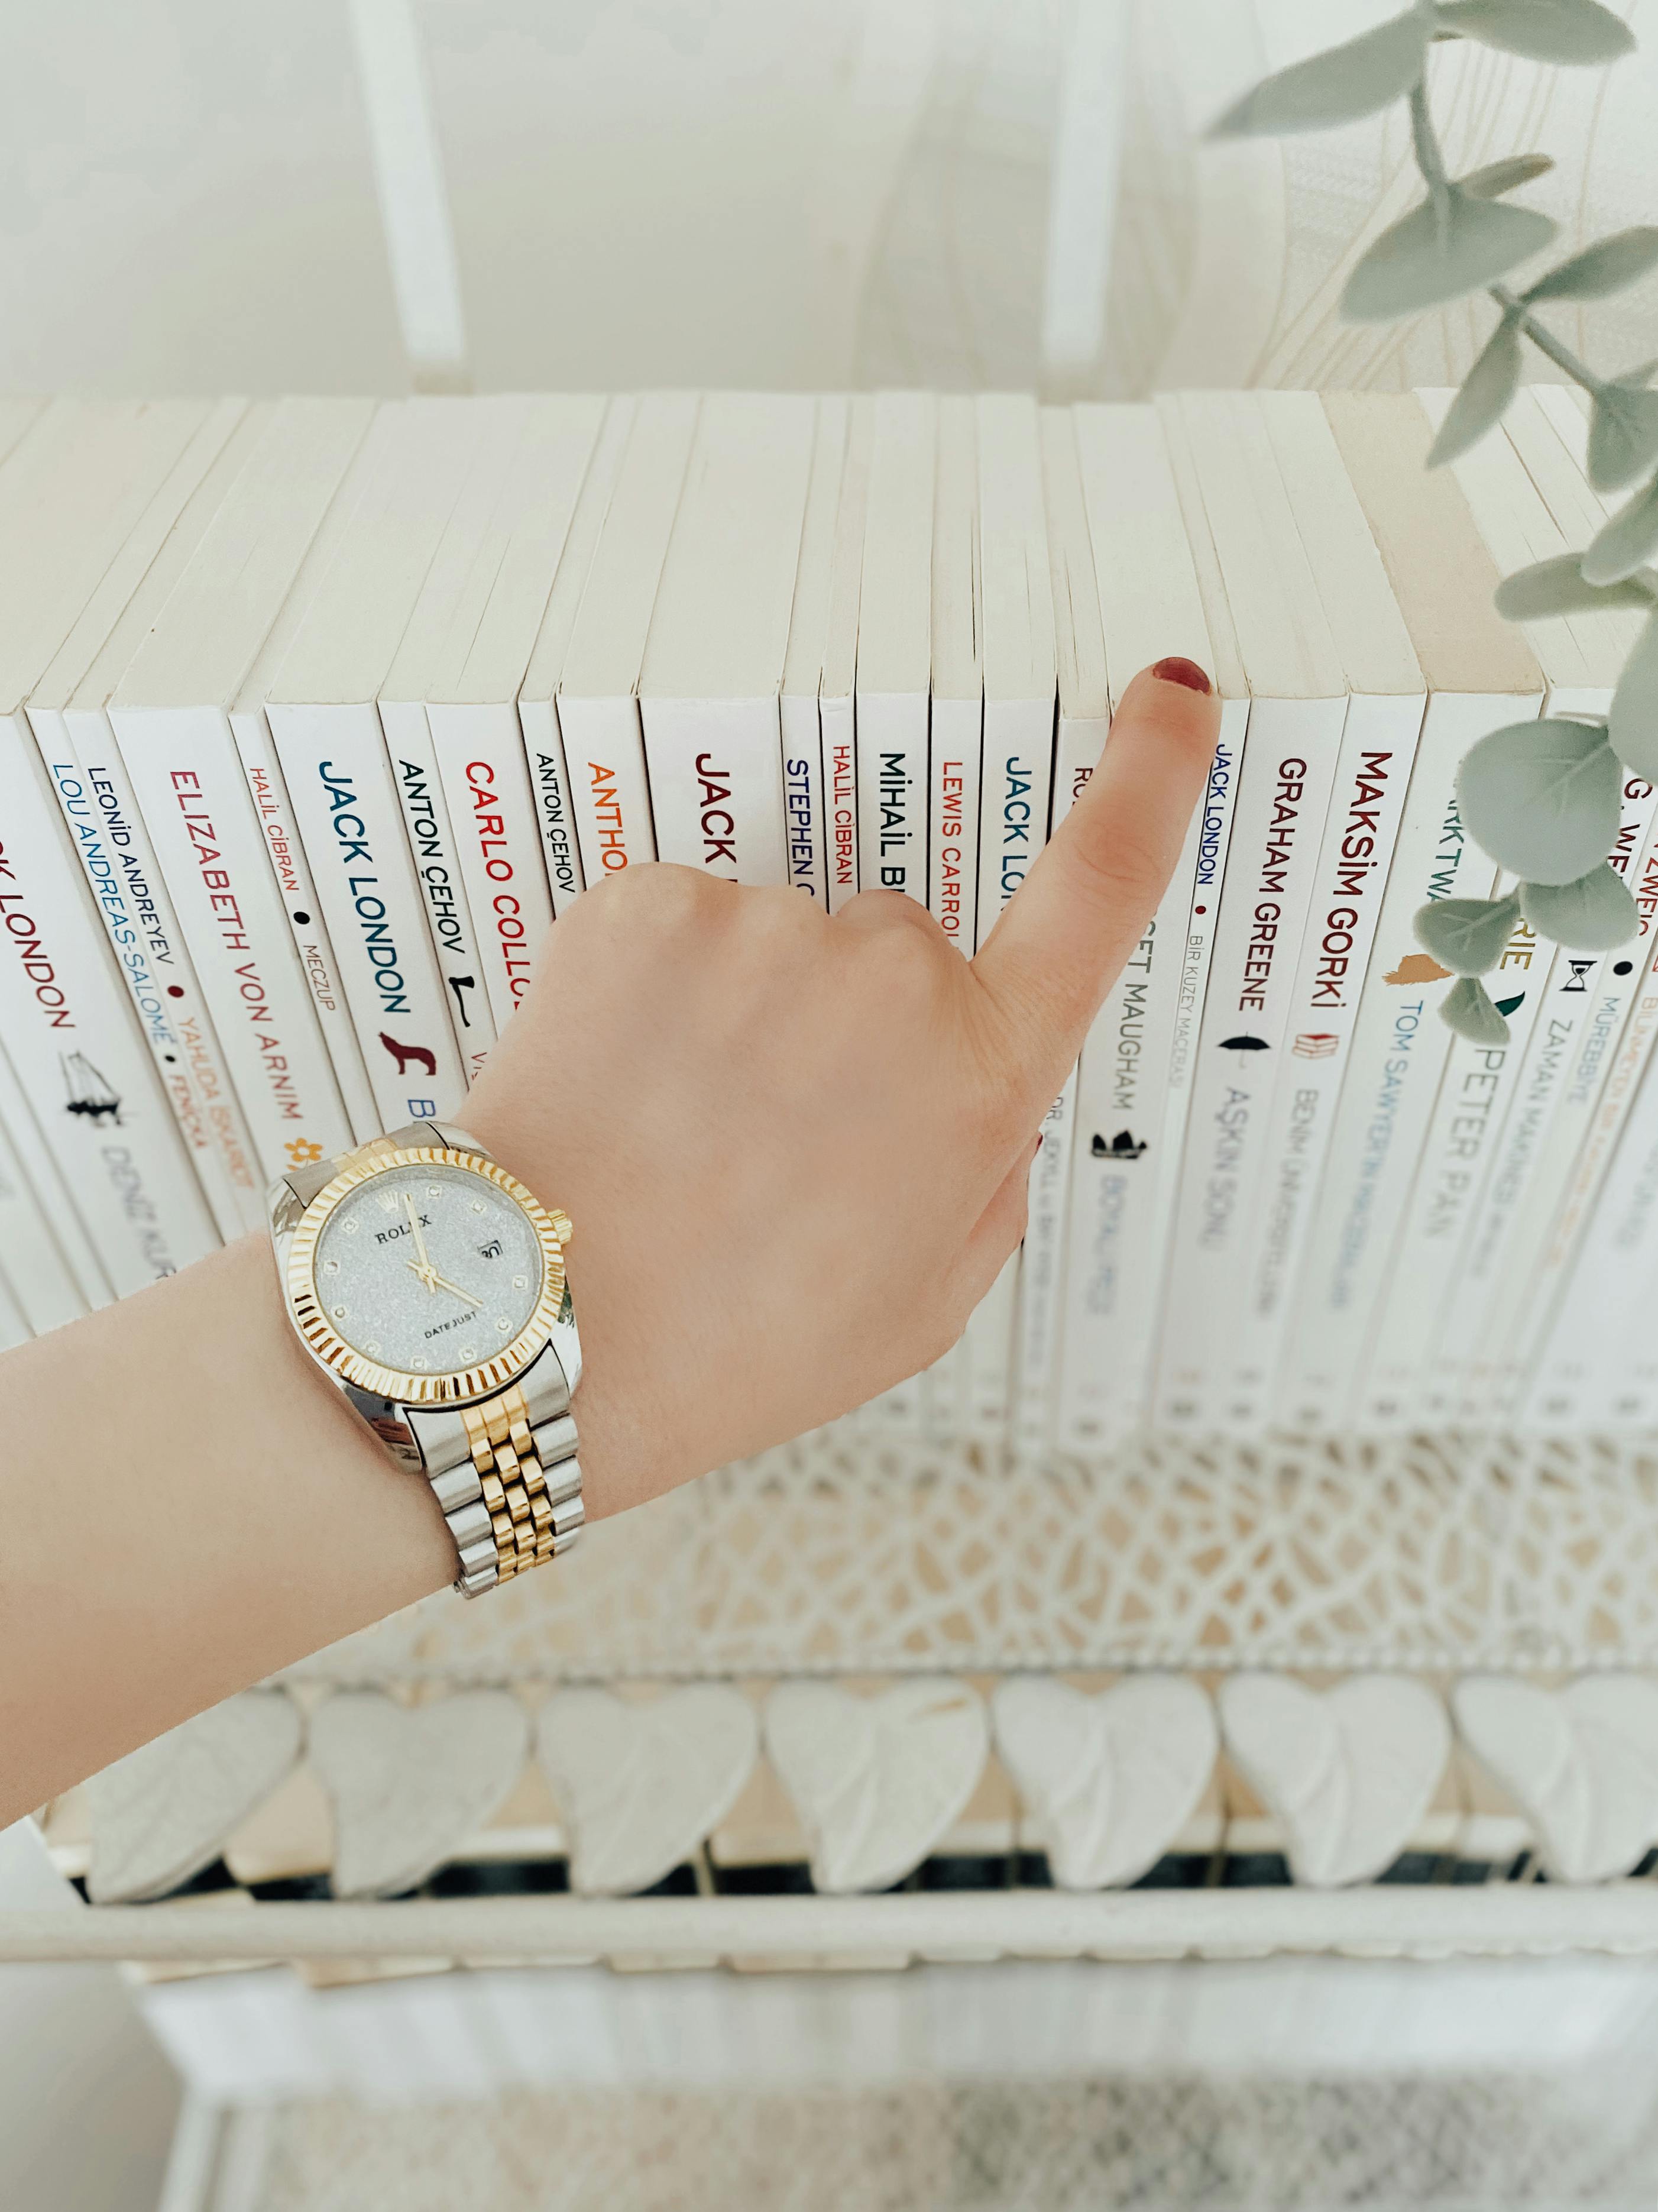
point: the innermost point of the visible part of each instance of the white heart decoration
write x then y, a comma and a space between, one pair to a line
642, 1785
1109, 1779
1348, 1772
876, 1781
409, 1784
162, 1813
1583, 1762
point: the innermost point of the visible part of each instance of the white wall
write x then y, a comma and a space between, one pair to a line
779, 193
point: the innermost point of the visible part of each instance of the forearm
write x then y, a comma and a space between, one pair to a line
185, 1506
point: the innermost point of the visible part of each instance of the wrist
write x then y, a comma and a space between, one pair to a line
620, 1442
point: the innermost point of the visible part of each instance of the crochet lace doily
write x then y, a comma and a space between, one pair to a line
848, 1551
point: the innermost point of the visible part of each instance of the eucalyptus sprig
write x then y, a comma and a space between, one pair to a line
1542, 798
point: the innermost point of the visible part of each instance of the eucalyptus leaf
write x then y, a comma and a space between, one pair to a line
1506, 175
1421, 262
1557, 587
1542, 798
1465, 935
1623, 435
1466, 1008
1337, 87
1591, 915
1542, 30
1632, 726
1597, 270
1619, 547
1487, 388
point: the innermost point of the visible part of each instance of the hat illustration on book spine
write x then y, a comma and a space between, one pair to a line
1125, 1145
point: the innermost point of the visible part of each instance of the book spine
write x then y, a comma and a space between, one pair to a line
957, 740
492, 810
1037, 1319
549, 783
1544, 1133
1360, 837
609, 791
76, 1048
988, 1357
839, 724
1040, 1317
1554, 1373
1464, 1134
132, 899
444, 890
805, 811
296, 888
1119, 1171
187, 779
1502, 1377
491, 822
1597, 1368
892, 793
345, 799
35, 1212
716, 771
1015, 794
1289, 769
1394, 1064
953, 818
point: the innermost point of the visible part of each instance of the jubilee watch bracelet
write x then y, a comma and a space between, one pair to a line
428, 1286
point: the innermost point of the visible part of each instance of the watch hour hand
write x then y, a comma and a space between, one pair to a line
442, 1283
414, 1223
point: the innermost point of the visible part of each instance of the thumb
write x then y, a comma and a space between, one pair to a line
1064, 933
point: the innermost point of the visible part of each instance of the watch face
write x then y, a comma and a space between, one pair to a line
419, 1277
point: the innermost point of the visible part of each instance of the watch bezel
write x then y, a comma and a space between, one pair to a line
330, 1349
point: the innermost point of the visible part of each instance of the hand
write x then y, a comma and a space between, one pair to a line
795, 1150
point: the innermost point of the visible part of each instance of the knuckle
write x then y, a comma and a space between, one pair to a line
883, 911
1122, 869
661, 893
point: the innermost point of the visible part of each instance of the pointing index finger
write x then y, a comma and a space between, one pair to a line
1066, 932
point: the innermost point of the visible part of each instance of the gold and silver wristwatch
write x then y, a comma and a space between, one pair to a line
428, 1284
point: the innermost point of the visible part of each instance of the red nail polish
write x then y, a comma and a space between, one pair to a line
1177, 670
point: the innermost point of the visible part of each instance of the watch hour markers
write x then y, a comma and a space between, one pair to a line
503, 1323
420, 1363
434, 1191
349, 1228
372, 1348
338, 1312
477, 1205
520, 1282
388, 1202
330, 1267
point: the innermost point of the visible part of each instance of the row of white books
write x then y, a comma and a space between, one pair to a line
316, 714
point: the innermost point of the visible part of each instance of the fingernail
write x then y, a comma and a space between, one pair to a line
1177, 670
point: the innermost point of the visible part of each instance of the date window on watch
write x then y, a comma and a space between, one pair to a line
492, 1250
